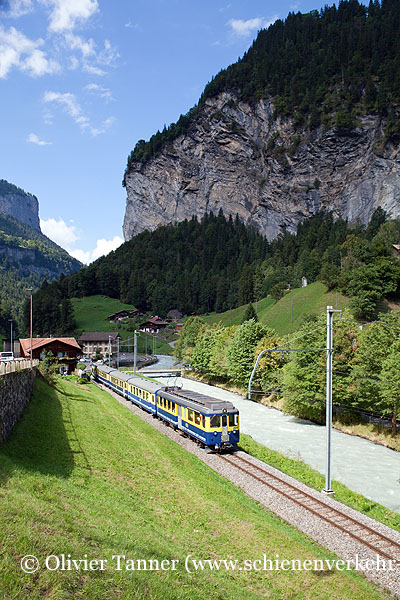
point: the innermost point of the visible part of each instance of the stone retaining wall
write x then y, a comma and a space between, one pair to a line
15, 393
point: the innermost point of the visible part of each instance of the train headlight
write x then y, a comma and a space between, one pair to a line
215, 433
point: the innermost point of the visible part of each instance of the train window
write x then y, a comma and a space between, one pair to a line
224, 420
215, 421
197, 418
173, 406
233, 420
204, 422
190, 415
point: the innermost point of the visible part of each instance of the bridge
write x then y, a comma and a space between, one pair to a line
162, 372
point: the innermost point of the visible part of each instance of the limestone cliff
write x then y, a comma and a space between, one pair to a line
238, 157
16, 203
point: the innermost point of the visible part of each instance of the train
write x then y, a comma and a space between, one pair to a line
210, 422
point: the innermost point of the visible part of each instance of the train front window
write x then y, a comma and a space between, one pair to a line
215, 421
233, 420
224, 420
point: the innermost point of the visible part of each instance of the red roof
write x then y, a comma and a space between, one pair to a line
39, 342
157, 321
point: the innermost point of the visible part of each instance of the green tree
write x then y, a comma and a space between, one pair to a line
187, 338
240, 352
218, 366
250, 313
204, 348
390, 384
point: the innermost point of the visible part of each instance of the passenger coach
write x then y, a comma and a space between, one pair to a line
211, 422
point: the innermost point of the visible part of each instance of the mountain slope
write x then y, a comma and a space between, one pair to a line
308, 120
16, 203
27, 258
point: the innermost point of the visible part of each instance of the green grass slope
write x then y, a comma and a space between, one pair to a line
286, 315
91, 315
301, 302
82, 476
91, 312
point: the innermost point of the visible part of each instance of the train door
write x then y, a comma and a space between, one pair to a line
225, 434
179, 416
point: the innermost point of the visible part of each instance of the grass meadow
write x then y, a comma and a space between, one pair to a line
81, 475
287, 314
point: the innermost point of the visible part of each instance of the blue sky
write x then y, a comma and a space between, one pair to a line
81, 81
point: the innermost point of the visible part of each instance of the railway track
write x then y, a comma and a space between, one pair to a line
374, 540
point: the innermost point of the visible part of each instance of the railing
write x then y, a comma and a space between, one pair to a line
17, 365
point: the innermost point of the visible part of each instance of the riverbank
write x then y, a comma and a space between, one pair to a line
368, 431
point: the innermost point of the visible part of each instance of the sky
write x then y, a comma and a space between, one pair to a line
81, 81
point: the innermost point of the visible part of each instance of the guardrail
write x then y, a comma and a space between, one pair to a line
18, 364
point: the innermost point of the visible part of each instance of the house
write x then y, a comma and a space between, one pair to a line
154, 325
65, 350
98, 341
123, 315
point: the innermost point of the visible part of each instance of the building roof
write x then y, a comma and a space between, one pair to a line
40, 342
98, 336
397, 246
126, 311
155, 321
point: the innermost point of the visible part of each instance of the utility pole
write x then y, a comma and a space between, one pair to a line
134, 351
117, 352
11, 342
329, 351
30, 290
109, 350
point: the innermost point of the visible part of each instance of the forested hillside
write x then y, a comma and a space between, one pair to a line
217, 264
27, 258
328, 66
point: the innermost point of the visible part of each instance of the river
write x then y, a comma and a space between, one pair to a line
365, 467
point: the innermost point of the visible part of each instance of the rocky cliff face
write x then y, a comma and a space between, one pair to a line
239, 158
21, 206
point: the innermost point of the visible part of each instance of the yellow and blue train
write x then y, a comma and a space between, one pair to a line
210, 422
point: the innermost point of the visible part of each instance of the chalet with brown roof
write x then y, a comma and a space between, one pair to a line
66, 351
396, 250
122, 315
154, 325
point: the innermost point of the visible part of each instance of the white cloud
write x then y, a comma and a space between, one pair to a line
65, 14
17, 50
92, 58
245, 28
34, 139
58, 231
99, 90
72, 108
76, 42
16, 8
93, 70
65, 236
103, 247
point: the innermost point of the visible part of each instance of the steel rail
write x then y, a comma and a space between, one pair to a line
323, 511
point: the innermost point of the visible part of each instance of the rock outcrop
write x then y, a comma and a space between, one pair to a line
273, 175
16, 203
